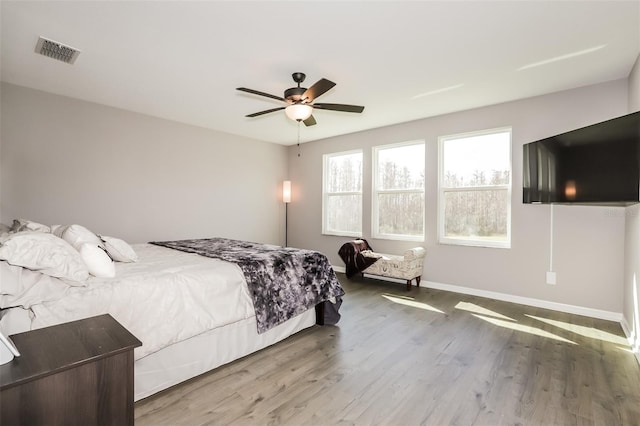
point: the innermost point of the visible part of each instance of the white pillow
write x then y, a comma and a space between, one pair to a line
20, 225
119, 250
25, 288
45, 253
97, 260
90, 247
76, 235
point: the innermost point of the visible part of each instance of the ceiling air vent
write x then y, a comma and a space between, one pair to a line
56, 50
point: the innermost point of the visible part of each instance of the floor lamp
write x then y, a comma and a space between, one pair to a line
286, 197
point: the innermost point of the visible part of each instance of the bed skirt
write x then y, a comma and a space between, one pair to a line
177, 363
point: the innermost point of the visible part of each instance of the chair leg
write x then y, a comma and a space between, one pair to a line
408, 285
418, 281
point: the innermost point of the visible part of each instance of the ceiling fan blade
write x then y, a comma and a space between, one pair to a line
310, 121
255, 114
255, 92
340, 107
321, 87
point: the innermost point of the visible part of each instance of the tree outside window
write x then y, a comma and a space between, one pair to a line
475, 189
398, 191
342, 194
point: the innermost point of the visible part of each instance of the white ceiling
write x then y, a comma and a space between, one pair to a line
183, 60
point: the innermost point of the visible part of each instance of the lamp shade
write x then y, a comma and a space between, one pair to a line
286, 191
298, 112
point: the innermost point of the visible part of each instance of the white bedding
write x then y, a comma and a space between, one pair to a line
166, 297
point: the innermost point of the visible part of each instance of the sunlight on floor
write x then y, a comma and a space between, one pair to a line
409, 301
590, 332
523, 328
472, 307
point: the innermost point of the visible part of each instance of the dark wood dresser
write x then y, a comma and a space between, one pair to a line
77, 373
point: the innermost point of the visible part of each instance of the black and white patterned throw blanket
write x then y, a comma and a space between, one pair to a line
283, 282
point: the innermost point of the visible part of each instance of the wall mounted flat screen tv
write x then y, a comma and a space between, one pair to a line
598, 164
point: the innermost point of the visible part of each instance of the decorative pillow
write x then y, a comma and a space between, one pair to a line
90, 247
119, 250
45, 253
76, 235
20, 225
97, 260
370, 253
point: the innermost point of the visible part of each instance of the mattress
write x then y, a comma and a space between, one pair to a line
164, 298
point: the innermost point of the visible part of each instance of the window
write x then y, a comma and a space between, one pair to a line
475, 189
342, 194
398, 191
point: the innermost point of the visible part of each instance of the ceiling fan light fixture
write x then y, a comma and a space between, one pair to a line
299, 101
298, 112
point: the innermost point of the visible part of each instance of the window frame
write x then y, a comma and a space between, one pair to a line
375, 233
471, 242
326, 194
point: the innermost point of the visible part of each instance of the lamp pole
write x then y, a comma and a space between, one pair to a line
286, 197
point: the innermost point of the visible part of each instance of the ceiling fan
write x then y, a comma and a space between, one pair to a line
300, 100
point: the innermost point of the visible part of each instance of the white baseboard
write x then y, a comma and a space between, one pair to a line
395, 280
339, 269
555, 306
634, 341
627, 330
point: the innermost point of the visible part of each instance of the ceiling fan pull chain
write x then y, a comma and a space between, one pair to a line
298, 138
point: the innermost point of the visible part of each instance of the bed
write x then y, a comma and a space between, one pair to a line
193, 311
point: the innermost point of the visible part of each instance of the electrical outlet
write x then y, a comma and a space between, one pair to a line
551, 278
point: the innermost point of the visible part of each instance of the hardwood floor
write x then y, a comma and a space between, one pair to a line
421, 357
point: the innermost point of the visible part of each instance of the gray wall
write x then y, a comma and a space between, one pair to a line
589, 241
142, 178
133, 176
632, 240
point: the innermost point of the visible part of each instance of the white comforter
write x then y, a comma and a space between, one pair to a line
166, 297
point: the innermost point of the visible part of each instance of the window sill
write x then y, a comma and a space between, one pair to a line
475, 243
419, 238
342, 234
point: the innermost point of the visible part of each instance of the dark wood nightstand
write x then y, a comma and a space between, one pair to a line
79, 372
